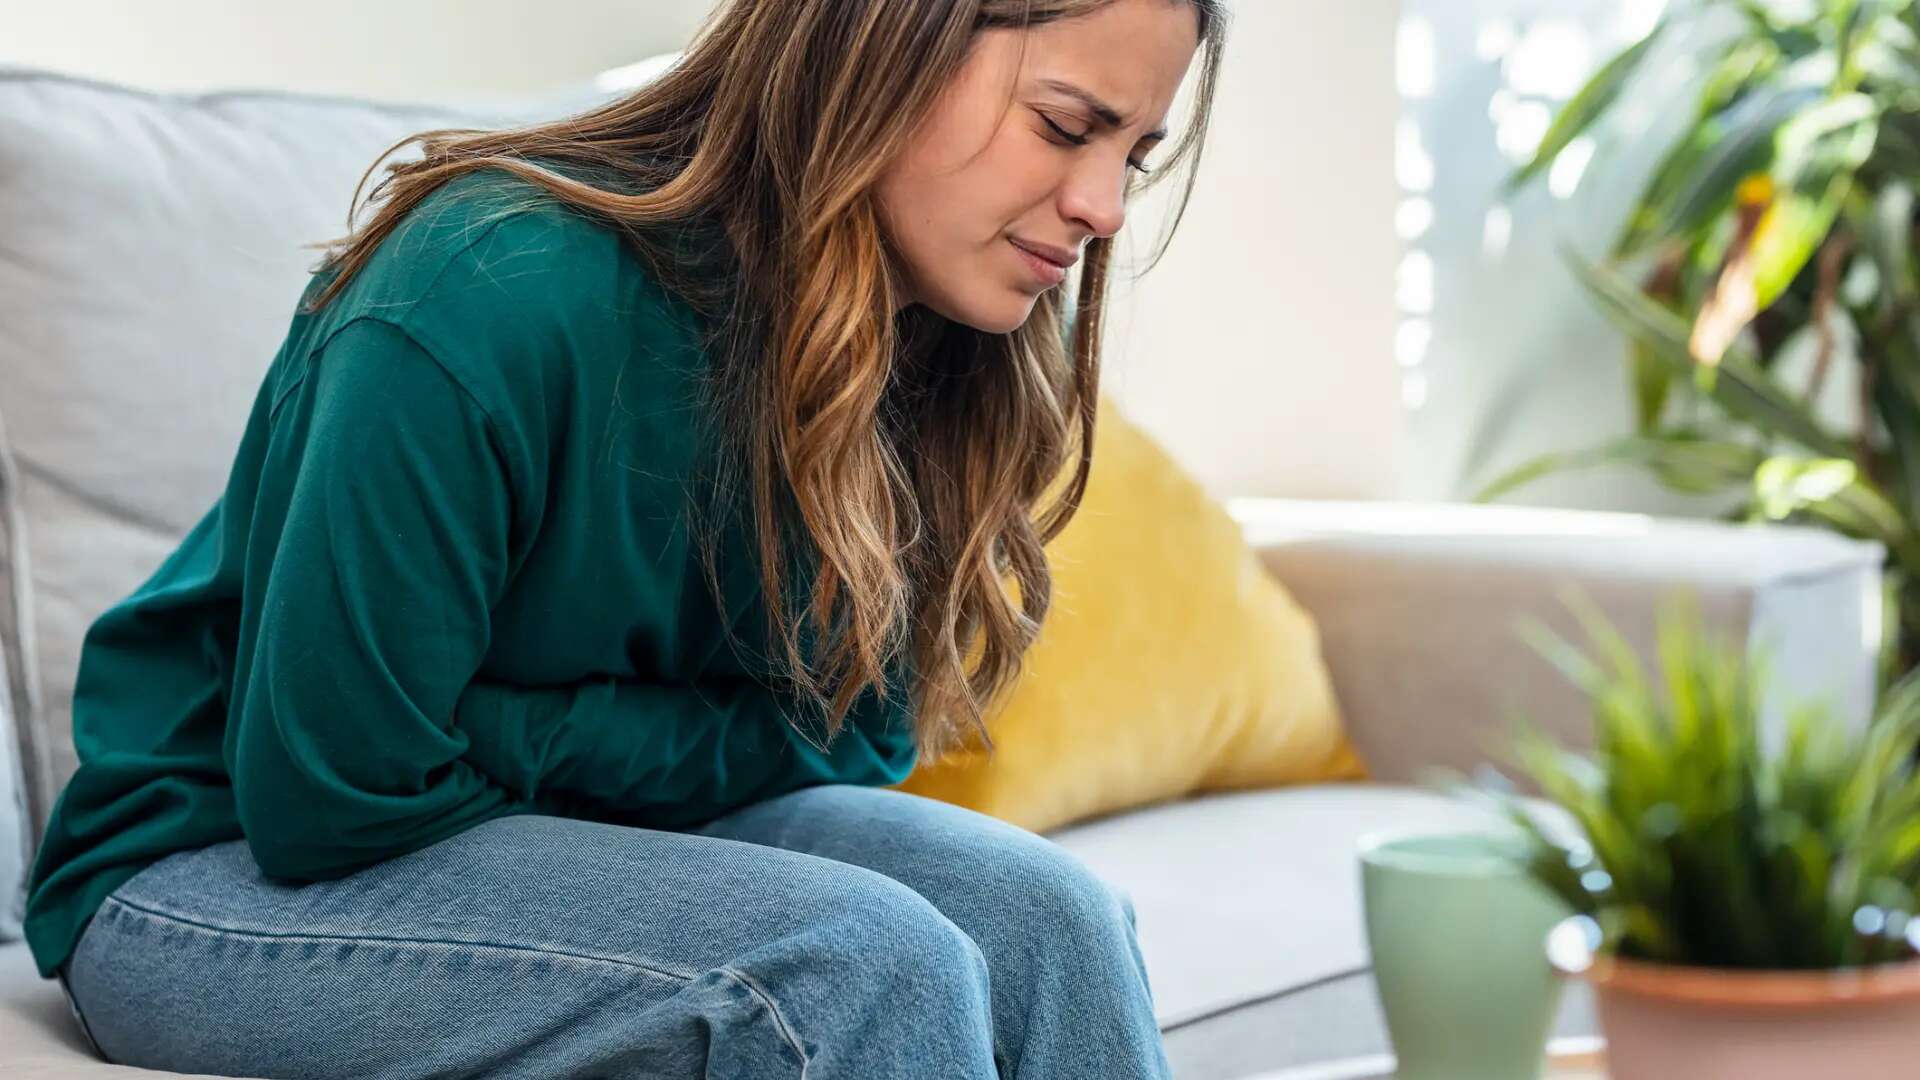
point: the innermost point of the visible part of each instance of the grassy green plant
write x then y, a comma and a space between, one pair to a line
1706, 842
1771, 250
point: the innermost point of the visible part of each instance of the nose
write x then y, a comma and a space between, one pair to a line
1094, 194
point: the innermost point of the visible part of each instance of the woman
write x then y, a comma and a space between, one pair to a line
468, 733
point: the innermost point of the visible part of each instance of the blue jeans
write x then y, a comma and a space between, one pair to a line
837, 932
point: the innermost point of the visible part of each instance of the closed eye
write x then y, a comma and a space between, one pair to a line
1082, 140
1077, 140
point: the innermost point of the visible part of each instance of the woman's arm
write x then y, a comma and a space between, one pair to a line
380, 538
663, 755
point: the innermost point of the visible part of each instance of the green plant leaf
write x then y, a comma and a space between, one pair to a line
1737, 385
1816, 155
1684, 461
1788, 485
1901, 415
1746, 63
1833, 491
1696, 182
1585, 107
1893, 586
1652, 384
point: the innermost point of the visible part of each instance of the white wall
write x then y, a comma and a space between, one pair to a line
1259, 350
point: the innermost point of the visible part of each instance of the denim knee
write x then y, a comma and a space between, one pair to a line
891, 924
1060, 894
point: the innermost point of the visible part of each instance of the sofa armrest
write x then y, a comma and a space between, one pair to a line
1417, 606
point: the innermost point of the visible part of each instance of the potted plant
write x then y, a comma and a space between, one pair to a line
1744, 899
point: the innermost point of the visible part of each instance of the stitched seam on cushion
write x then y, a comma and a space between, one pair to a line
381, 940
203, 99
780, 1019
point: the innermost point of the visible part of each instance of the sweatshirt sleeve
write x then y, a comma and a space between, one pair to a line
381, 542
666, 756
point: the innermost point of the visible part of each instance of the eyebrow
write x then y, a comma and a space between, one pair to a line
1102, 111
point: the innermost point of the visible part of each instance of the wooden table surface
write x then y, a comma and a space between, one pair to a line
1568, 1059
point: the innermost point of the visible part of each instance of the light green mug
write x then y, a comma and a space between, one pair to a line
1458, 932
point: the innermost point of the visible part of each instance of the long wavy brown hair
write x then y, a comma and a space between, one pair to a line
897, 462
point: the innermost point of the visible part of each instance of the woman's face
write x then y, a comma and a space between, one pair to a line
986, 198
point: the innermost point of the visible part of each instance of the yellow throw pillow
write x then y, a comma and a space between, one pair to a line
1170, 663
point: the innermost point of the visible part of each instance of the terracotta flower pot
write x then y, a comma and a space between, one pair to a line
1663, 1021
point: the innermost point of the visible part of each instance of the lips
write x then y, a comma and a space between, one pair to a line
1041, 273
1064, 258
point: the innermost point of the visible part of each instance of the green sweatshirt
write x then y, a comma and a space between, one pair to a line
449, 579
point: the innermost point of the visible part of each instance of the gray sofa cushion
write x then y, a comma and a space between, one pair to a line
151, 250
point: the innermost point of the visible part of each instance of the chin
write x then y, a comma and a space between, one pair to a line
991, 315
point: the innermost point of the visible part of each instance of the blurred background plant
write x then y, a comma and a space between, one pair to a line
1709, 841
1766, 277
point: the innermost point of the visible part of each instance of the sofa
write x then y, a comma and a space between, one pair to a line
118, 416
